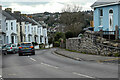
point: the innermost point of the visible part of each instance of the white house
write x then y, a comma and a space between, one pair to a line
45, 37
2, 29
11, 34
28, 32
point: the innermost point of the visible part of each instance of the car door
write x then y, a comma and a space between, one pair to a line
16, 48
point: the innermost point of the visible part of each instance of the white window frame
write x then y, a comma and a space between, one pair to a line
11, 25
111, 15
100, 18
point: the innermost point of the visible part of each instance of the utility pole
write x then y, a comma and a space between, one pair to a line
21, 37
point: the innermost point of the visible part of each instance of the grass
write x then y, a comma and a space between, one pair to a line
110, 55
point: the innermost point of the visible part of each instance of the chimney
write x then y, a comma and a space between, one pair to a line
17, 12
8, 9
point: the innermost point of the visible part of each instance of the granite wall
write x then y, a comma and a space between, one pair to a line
93, 44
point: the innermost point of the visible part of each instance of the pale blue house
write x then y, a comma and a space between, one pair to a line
106, 15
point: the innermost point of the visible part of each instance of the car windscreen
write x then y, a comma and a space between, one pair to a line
3, 46
26, 44
9, 45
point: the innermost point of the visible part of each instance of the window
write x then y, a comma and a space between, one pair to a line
7, 39
0, 24
111, 20
11, 25
111, 11
25, 28
32, 29
17, 27
0, 37
35, 29
28, 28
101, 17
6, 26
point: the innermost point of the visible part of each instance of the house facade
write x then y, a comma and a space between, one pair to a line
2, 29
11, 34
106, 15
11, 23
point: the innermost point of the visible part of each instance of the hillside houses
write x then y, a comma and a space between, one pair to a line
16, 27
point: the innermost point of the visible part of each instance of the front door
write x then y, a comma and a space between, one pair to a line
12, 39
111, 21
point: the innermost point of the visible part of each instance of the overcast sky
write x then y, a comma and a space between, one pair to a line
39, 6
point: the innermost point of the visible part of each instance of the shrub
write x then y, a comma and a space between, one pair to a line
117, 55
56, 44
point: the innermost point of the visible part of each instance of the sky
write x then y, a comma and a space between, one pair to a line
40, 6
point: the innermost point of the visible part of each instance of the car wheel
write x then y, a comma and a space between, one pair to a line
33, 53
5, 53
14, 52
20, 54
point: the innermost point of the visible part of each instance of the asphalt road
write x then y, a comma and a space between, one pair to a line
46, 64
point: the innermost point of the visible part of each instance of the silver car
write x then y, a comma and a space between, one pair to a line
12, 48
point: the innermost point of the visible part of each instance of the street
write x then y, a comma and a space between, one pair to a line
46, 64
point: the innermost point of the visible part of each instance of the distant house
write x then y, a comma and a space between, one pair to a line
106, 15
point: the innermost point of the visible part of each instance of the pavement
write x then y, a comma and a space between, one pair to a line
86, 57
47, 65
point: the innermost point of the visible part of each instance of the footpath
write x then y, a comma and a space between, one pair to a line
87, 57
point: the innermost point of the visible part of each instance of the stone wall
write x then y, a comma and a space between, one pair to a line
90, 43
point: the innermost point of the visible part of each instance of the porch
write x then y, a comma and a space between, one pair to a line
110, 35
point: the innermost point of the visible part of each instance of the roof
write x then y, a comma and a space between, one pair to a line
105, 2
8, 16
21, 18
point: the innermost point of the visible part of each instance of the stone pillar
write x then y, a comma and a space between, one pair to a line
116, 32
101, 33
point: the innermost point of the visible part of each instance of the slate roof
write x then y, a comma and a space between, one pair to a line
104, 2
16, 16
8, 16
21, 18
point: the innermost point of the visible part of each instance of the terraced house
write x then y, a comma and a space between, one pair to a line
11, 34
107, 16
2, 28
10, 24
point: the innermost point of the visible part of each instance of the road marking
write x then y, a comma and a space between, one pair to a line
49, 65
12, 74
111, 59
32, 59
82, 75
1, 77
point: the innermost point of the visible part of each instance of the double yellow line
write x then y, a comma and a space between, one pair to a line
110, 59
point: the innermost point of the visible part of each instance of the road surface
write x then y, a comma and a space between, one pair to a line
46, 64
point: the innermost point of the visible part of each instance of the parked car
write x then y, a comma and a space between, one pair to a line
26, 48
4, 51
12, 48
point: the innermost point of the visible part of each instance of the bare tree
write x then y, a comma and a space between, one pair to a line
72, 8
74, 19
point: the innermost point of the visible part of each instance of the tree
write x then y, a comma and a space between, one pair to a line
72, 8
74, 19
69, 34
58, 36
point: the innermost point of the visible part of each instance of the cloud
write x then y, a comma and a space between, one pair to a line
38, 6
